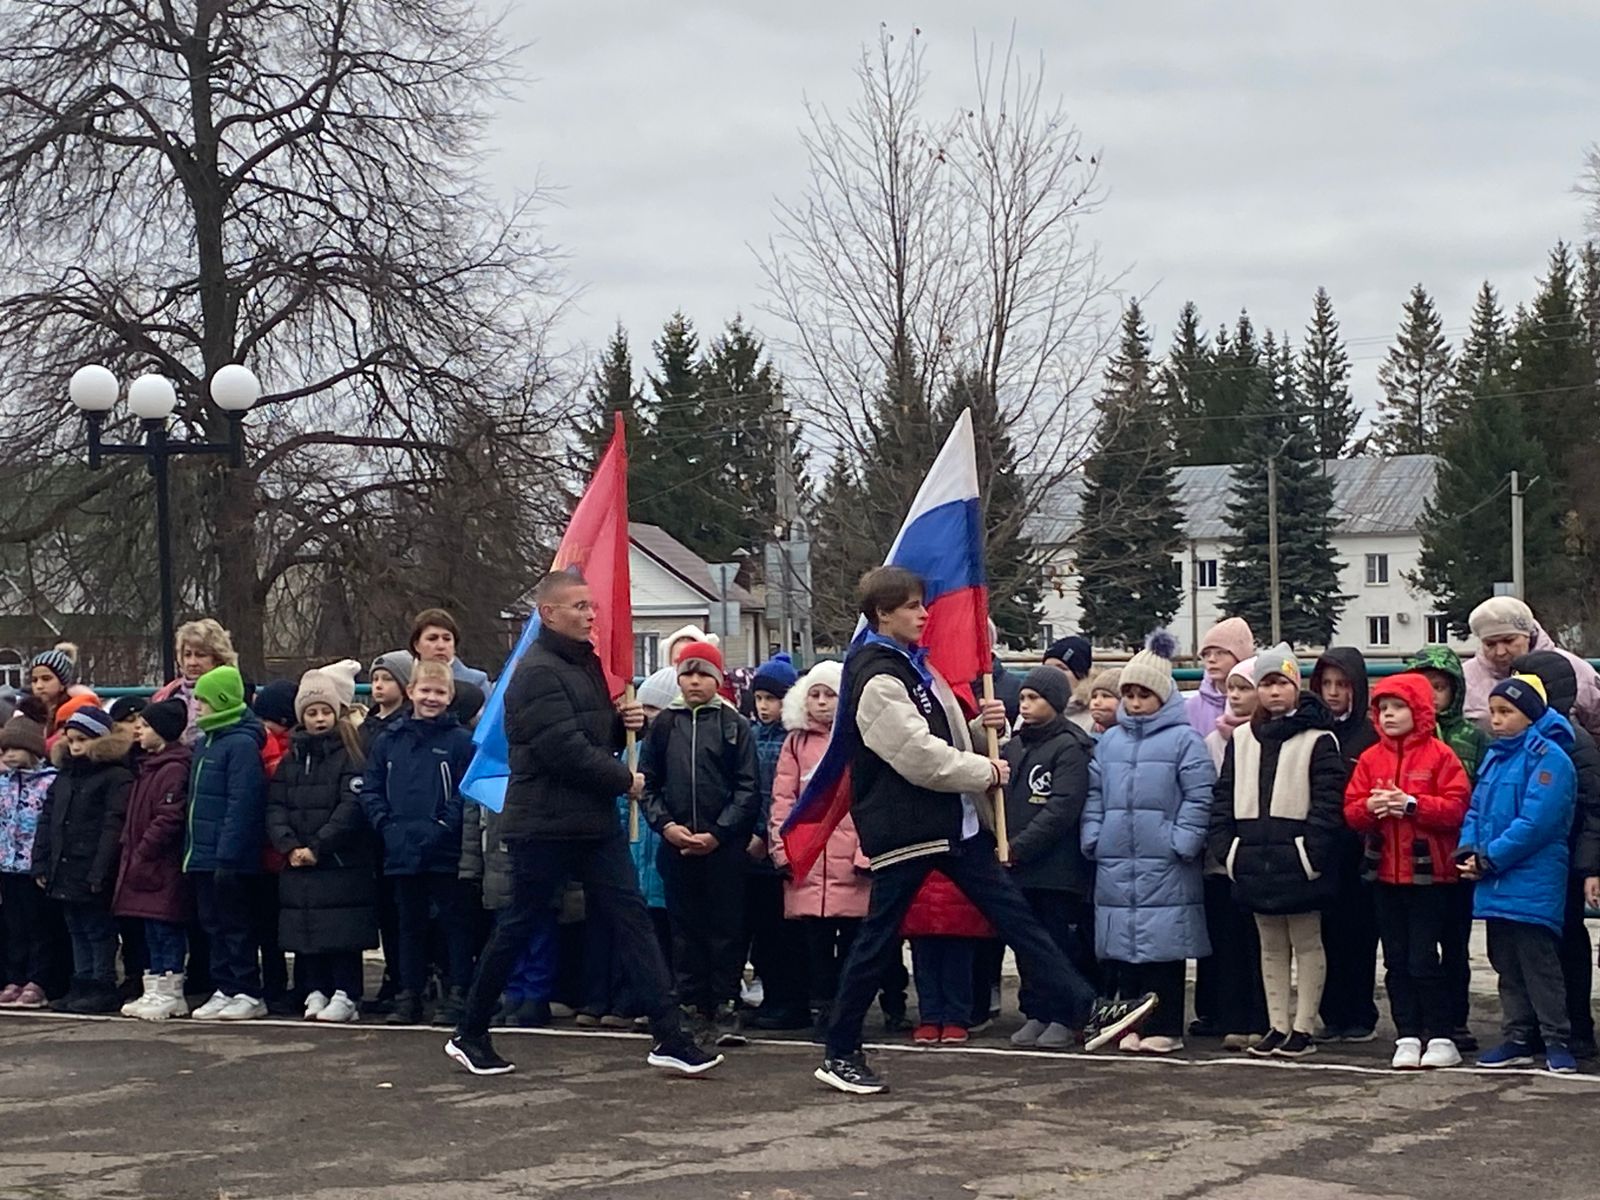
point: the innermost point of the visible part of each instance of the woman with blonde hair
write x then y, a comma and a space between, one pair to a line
202, 645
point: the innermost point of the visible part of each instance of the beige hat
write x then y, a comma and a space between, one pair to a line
343, 673
317, 687
1109, 680
1500, 615
1150, 671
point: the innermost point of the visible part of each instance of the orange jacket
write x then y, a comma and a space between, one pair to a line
1418, 848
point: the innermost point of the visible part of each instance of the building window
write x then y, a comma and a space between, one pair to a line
646, 653
11, 669
1377, 631
1438, 627
1377, 568
1205, 573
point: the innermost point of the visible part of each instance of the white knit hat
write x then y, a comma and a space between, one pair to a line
317, 687
1501, 615
1151, 668
343, 674
659, 689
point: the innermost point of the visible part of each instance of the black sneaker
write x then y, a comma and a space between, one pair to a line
1296, 1045
683, 1056
477, 1055
896, 1022
1268, 1046
772, 1017
851, 1075
1466, 1041
1109, 1020
729, 1026
1205, 1027
530, 1014
407, 1010
451, 1008
1358, 1034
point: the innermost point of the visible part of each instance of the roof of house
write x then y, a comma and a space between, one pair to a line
684, 563
1370, 496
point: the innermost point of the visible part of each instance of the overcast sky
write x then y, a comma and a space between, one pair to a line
1249, 157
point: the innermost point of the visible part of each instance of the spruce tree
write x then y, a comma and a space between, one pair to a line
1278, 436
682, 496
1186, 374
1225, 393
844, 546
1591, 298
1131, 524
740, 392
1324, 381
1415, 379
1483, 355
613, 391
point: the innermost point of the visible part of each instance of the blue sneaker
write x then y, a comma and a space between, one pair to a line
1508, 1054
1558, 1060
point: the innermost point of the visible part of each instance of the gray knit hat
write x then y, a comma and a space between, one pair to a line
398, 663
1052, 683
58, 663
1279, 660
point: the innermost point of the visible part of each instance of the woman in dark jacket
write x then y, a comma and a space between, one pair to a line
1276, 822
327, 896
75, 854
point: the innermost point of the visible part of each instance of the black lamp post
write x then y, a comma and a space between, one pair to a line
152, 398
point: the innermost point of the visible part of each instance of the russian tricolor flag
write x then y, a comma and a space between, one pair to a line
942, 541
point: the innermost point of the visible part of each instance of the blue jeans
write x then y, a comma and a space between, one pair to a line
535, 973
942, 969
94, 941
224, 904
1064, 994
167, 946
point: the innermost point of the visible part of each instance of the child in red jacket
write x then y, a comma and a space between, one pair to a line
1408, 794
945, 928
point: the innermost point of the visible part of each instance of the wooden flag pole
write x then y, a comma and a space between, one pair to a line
997, 794
630, 745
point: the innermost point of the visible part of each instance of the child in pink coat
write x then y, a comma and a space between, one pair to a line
831, 900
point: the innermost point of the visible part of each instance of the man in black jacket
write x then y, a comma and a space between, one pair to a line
563, 732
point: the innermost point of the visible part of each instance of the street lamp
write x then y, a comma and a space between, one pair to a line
152, 398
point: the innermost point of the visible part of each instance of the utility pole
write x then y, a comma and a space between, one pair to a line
1516, 536
1272, 546
1194, 600
790, 532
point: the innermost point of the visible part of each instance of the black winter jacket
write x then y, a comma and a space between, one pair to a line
563, 735
372, 725
1355, 731
80, 826
1280, 863
314, 801
700, 772
1044, 805
1561, 690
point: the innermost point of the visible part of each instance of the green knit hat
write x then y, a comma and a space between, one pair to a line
223, 689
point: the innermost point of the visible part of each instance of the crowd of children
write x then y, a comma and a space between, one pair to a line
1274, 828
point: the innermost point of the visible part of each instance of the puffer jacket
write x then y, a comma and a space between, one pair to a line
1044, 806
79, 828
700, 771
837, 884
1206, 704
1561, 689
1145, 825
411, 793
22, 795
1461, 735
1518, 823
941, 909
314, 801
227, 799
1277, 817
150, 882
1419, 848
485, 857
1481, 679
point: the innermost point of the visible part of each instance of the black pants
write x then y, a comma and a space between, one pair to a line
1458, 952
225, 915
1166, 980
1069, 920
94, 941
1413, 921
973, 868
988, 956
1227, 985
335, 971
389, 939
705, 899
828, 941
1577, 964
263, 894
22, 904
1350, 939
415, 898
777, 947
605, 868
1533, 995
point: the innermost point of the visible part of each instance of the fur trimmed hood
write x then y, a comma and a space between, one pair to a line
828, 674
113, 747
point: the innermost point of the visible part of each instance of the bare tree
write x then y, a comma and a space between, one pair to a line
292, 184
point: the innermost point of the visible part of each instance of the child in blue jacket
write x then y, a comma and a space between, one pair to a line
1514, 843
410, 792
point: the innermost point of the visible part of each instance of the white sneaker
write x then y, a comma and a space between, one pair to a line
315, 1003
752, 994
1408, 1054
1130, 1043
1441, 1052
242, 1008
1160, 1045
169, 1000
142, 1000
340, 1010
212, 1008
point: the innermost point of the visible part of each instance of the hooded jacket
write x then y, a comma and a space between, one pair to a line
79, 827
1044, 806
1354, 730
1278, 813
1461, 735
1481, 678
227, 799
314, 801
22, 794
1206, 705
1518, 824
837, 884
1561, 690
1145, 827
1420, 847
150, 882
411, 794
700, 771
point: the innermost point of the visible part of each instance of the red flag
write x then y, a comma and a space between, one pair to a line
596, 544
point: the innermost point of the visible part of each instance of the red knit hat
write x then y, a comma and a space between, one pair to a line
702, 657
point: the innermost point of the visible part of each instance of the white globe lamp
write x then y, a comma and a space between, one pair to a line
93, 389
235, 388
152, 397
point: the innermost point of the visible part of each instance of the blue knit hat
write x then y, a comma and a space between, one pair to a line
1525, 693
95, 722
775, 676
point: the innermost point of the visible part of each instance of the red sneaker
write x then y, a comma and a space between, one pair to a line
925, 1035
953, 1035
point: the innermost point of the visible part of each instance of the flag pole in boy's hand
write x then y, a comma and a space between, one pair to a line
630, 745
997, 794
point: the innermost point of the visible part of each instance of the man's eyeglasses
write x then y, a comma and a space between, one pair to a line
583, 606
